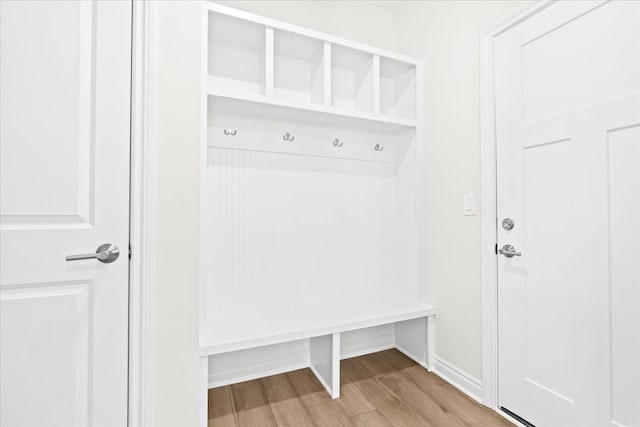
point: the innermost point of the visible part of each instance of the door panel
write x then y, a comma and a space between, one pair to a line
549, 279
567, 106
53, 319
574, 51
48, 96
624, 207
65, 102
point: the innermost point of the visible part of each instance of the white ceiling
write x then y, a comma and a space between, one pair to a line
390, 5
387, 4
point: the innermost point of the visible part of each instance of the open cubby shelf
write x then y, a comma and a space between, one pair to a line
397, 89
236, 54
310, 202
352, 85
298, 68
250, 56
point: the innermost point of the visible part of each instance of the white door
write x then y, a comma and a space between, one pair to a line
567, 84
65, 95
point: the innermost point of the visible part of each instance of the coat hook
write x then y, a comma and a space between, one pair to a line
378, 147
288, 137
229, 131
337, 143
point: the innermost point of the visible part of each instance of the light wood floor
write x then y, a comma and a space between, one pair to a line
380, 389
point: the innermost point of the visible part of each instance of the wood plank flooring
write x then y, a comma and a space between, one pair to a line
378, 390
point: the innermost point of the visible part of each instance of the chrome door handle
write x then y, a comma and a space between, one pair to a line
509, 251
106, 253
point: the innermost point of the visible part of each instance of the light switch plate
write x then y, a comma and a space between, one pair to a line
470, 204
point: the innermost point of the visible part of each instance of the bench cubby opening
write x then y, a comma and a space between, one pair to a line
318, 349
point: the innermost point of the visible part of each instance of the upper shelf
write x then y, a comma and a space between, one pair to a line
259, 59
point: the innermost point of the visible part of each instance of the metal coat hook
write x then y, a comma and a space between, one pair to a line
288, 137
337, 143
229, 131
378, 147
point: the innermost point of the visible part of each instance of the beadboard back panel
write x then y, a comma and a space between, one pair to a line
289, 230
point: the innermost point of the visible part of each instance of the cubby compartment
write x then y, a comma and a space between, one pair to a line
397, 89
351, 79
298, 68
312, 342
236, 54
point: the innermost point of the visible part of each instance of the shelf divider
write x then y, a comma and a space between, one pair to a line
268, 61
327, 73
376, 84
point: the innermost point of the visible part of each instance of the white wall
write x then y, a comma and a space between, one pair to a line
362, 21
445, 35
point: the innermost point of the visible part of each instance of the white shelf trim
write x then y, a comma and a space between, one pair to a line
317, 108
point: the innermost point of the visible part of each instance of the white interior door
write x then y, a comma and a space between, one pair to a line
568, 160
65, 95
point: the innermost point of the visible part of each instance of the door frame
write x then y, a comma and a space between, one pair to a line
141, 219
488, 205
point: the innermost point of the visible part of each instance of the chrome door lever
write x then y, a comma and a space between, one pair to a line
106, 253
509, 251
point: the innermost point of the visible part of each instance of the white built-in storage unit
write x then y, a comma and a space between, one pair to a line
311, 205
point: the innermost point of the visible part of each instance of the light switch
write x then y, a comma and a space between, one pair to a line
470, 204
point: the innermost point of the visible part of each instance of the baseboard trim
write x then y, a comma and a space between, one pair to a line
463, 381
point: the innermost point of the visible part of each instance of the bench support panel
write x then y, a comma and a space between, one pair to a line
415, 339
325, 361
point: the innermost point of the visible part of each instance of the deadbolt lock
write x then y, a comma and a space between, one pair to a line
508, 224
